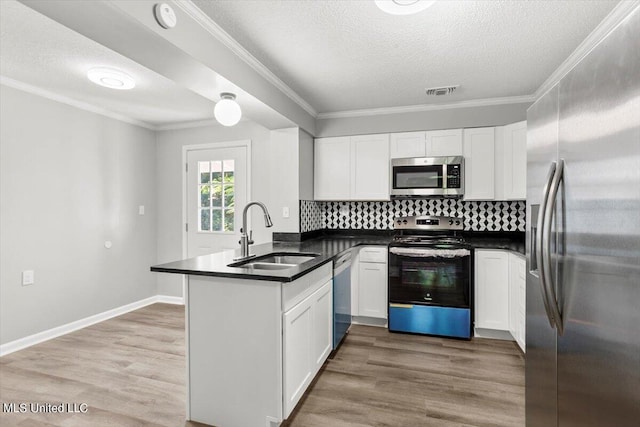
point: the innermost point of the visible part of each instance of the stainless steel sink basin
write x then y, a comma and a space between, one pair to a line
267, 266
275, 261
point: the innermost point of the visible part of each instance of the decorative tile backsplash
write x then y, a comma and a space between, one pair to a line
478, 215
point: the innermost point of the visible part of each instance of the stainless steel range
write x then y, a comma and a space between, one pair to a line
430, 277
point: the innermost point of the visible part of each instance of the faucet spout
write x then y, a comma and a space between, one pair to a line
245, 238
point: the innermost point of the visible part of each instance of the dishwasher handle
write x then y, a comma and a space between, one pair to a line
341, 263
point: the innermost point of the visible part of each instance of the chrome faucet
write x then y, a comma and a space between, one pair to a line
247, 239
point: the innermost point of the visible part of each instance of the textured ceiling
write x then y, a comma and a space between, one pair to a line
349, 55
40, 52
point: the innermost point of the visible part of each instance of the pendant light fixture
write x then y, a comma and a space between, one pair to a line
227, 111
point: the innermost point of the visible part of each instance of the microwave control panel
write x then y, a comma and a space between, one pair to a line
453, 176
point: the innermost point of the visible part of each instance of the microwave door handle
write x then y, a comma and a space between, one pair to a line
539, 245
550, 208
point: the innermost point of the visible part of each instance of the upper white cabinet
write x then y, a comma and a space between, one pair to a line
370, 167
352, 168
444, 143
515, 161
479, 162
332, 168
434, 143
408, 144
492, 289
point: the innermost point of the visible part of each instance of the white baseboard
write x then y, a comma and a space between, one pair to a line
169, 299
34, 339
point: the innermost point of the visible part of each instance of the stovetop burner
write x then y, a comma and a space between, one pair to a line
428, 231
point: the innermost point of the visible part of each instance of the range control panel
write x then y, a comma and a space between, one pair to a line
426, 222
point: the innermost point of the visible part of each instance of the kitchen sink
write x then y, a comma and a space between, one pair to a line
275, 261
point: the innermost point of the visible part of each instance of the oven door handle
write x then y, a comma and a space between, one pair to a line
430, 253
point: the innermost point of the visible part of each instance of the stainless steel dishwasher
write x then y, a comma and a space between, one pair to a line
341, 297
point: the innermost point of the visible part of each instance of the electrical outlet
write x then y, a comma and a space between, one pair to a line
141, 210
28, 277
285, 212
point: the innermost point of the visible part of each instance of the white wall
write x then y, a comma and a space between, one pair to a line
169, 187
69, 181
446, 118
285, 180
305, 165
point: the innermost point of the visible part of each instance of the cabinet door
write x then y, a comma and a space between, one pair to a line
492, 290
370, 167
372, 288
322, 324
514, 296
298, 330
478, 147
332, 165
515, 161
408, 144
444, 143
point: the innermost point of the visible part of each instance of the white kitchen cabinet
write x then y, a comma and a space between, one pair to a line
370, 287
479, 161
307, 338
492, 289
515, 161
444, 143
434, 143
369, 167
408, 144
351, 168
332, 168
517, 298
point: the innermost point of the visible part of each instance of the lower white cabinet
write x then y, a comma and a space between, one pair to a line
372, 290
517, 298
369, 282
492, 289
500, 289
307, 336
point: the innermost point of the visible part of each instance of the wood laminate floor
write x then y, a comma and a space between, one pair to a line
130, 372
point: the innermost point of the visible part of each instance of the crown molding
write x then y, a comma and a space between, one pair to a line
222, 36
427, 107
35, 90
618, 14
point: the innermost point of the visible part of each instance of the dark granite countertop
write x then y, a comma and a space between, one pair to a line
510, 241
327, 246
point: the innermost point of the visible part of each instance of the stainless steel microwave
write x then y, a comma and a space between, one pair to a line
427, 176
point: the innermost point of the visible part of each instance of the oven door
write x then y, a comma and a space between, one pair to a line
430, 276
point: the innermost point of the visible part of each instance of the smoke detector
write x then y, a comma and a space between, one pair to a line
439, 91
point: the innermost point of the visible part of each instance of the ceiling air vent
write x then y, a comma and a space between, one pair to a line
438, 91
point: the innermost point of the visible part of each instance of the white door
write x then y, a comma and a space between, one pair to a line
216, 194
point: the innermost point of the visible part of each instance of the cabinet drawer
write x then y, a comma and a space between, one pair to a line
298, 290
373, 254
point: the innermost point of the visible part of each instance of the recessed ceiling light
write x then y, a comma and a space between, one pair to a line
403, 7
111, 78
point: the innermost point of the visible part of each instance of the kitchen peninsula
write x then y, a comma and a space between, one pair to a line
256, 337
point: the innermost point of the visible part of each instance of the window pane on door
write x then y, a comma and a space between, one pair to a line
217, 196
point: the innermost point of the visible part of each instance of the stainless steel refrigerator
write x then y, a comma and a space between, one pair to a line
583, 241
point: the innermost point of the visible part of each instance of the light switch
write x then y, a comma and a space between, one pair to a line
285, 212
141, 210
28, 277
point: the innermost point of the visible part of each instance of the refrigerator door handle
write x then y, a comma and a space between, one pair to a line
539, 253
549, 210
